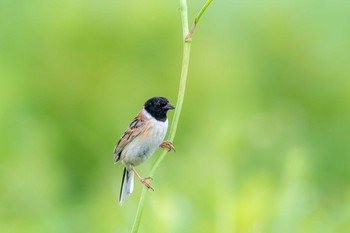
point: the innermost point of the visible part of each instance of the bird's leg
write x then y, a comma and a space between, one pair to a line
167, 144
143, 180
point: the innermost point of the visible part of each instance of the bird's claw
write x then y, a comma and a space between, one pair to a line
145, 183
168, 145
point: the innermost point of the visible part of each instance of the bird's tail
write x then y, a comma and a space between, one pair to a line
127, 185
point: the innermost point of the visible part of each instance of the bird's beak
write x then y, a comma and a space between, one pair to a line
168, 106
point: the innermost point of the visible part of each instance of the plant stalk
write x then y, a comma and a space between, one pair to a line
180, 99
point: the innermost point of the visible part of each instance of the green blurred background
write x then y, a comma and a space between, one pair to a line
263, 139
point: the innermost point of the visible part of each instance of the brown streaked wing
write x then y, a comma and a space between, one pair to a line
135, 128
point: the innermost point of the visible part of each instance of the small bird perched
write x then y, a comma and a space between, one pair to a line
144, 135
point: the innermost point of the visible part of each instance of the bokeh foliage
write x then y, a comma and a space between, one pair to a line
262, 144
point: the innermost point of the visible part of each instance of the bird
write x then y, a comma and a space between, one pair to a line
140, 140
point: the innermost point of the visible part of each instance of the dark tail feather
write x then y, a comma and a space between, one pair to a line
127, 185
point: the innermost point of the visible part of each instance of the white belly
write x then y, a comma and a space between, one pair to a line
142, 147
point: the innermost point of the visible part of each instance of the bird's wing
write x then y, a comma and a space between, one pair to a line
135, 128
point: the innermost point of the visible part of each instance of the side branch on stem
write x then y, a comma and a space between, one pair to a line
188, 37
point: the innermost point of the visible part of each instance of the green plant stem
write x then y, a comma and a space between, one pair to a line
180, 99
184, 17
202, 11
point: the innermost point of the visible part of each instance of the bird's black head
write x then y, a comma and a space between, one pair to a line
158, 107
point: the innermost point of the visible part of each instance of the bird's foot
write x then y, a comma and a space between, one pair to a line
145, 183
168, 145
